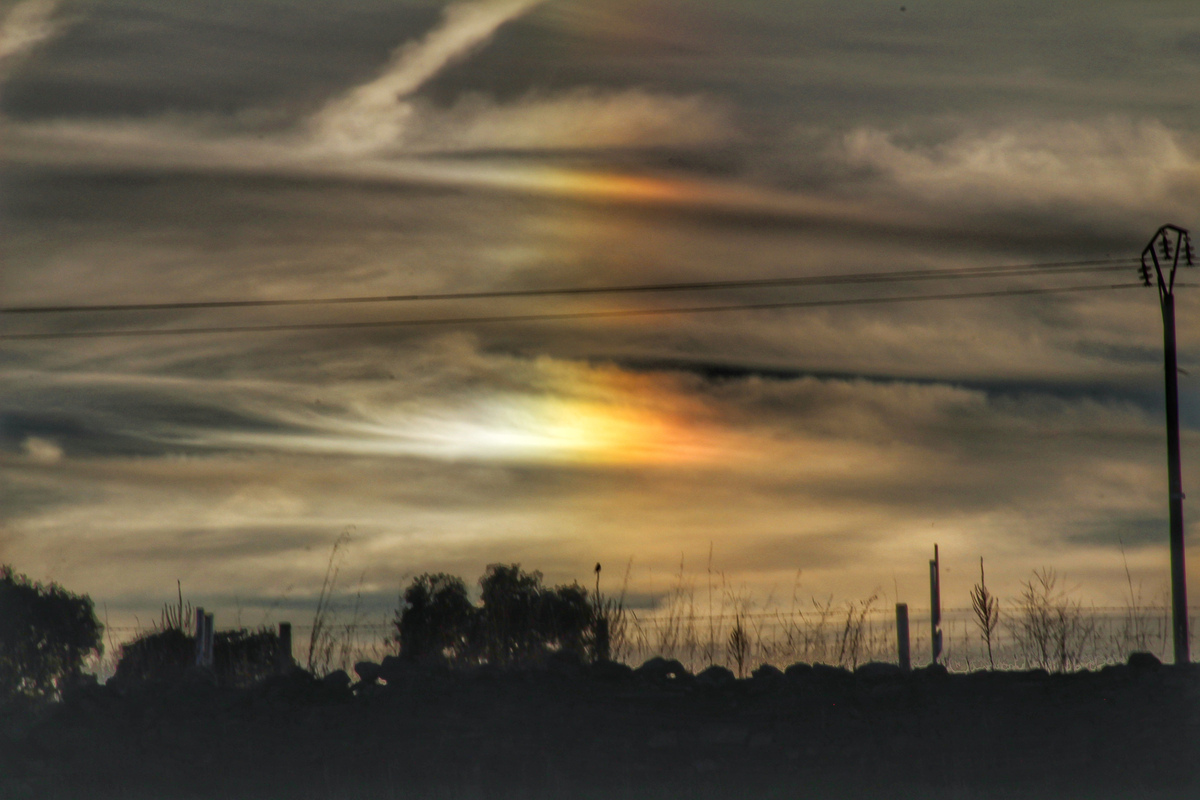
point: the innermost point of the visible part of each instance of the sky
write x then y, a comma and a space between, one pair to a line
157, 151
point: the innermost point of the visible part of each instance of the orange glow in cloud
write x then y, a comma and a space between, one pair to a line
573, 414
611, 186
584, 416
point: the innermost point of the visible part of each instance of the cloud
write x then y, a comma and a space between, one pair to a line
374, 115
41, 451
379, 131
26, 26
581, 119
1113, 166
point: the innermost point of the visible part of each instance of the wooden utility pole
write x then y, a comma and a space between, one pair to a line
1161, 244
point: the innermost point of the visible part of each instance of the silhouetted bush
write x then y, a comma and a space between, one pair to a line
163, 655
240, 657
46, 633
436, 619
518, 621
522, 621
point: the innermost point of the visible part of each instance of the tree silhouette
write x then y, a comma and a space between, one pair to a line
46, 633
518, 620
436, 619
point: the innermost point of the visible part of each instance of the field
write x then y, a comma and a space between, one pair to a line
569, 730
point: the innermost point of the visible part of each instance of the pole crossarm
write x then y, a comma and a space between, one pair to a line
1161, 243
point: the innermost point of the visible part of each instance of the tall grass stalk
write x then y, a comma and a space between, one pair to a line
320, 639
987, 613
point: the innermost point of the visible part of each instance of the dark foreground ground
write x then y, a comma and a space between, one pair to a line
1123, 732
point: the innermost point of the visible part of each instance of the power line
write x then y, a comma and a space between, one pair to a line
1016, 270
551, 317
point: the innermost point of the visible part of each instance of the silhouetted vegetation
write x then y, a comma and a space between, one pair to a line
240, 657
436, 619
518, 620
168, 653
1050, 627
46, 635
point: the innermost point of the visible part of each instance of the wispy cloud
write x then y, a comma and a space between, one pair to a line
1116, 164
375, 114
581, 119
380, 131
26, 26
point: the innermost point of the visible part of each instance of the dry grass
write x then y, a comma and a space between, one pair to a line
702, 620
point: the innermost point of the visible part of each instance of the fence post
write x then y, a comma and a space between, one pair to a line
902, 636
208, 640
200, 638
283, 656
935, 607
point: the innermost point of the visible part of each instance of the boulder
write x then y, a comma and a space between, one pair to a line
798, 670
878, 670
610, 671
1143, 661
716, 678
393, 668
338, 679
828, 672
662, 670
368, 671
767, 674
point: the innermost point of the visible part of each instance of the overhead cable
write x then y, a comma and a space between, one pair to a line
1016, 270
549, 317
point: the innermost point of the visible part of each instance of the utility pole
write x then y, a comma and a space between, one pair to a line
1171, 251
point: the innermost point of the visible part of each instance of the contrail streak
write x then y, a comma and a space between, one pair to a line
374, 114
26, 26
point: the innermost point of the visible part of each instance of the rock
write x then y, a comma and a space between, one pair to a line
878, 670
564, 662
1143, 661
827, 672
798, 670
767, 674
662, 670
716, 677
393, 668
368, 671
934, 671
610, 671
338, 679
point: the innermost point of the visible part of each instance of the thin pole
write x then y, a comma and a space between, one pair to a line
902, 654
1179, 612
935, 607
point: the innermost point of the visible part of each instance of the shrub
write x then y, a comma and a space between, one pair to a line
518, 621
522, 621
46, 633
1050, 627
436, 619
163, 655
240, 657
